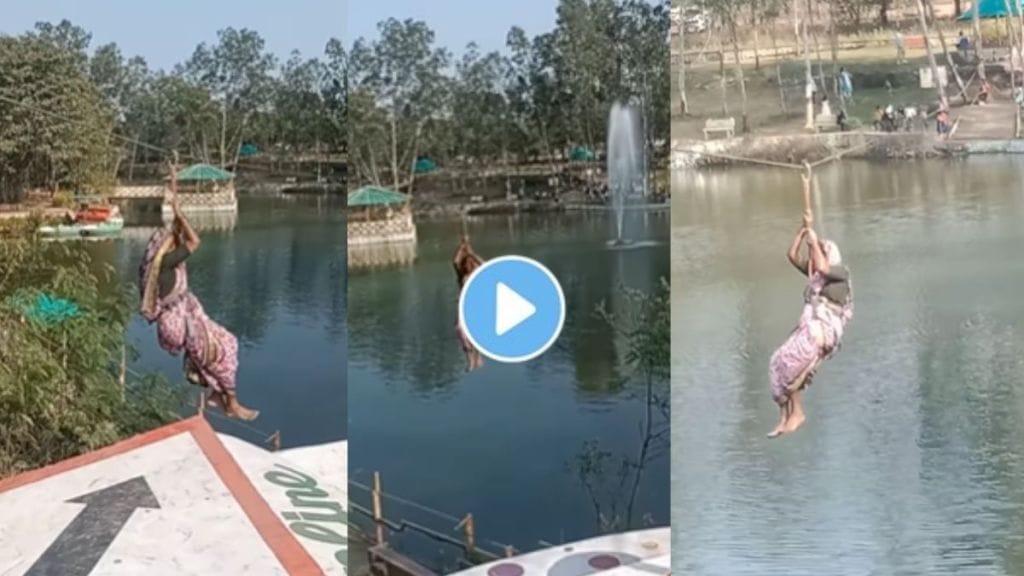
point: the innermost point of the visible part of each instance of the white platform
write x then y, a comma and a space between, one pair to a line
630, 553
178, 500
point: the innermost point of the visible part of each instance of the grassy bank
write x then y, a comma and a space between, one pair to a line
771, 111
61, 392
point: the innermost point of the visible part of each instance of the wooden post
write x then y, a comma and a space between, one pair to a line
378, 514
275, 440
470, 528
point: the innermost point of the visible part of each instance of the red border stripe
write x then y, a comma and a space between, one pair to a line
295, 559
95, 456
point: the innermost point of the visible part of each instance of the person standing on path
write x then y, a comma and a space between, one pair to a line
846, 84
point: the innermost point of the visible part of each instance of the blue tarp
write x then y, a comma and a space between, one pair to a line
44, 308
992, 9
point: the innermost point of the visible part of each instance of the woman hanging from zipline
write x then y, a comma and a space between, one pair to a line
211, 352
828, 306
465, 262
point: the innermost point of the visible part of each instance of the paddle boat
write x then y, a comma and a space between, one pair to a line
90, 221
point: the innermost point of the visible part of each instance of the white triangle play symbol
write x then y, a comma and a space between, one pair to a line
511, 309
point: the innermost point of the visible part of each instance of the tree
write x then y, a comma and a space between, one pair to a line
645, 326
945, 51
236, 73
481, 125
60, 391
976, 26
68, 38
801, 40
681, 63
56, 129
939, 85
727, 11
335, 93
398, 84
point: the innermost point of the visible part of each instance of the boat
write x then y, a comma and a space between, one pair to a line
90, 221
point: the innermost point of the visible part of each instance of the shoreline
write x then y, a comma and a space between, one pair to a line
794, 148
516, 207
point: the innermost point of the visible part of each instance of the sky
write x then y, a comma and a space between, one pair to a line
456, 22
166, 33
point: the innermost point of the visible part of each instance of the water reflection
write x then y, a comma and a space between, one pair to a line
911, 459
277, 280
499, 442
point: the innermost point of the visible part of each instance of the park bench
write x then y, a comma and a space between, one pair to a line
727, 125
825, 123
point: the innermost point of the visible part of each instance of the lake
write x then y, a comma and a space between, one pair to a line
500, 442
912, 457
276, 279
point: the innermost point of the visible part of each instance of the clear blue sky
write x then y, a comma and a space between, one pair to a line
455, 22
166, 32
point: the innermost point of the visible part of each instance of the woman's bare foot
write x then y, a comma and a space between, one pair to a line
795, 422
234, 408
779, 431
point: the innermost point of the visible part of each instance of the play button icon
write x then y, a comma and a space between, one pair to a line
512, 309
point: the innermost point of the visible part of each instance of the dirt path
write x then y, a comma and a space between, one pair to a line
994, 121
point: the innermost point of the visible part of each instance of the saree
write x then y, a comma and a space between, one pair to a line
465, 263
211, 351
800, 351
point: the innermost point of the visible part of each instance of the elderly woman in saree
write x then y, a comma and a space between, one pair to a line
465, 262
210, 351
828, 306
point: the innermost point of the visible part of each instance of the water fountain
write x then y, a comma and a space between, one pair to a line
625, 162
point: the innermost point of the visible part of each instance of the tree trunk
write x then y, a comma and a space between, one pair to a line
757, 47
976, 25
223, 132
801, 41
131, 164
833, 39
739, 74
957, 8
945, 52
883, 13
755, 21
683, 106
415, 152
1013, 47
238, 147
394, 149
778, 72
721, 76
943, 103
822, 85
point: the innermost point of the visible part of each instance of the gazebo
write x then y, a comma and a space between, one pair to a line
203, 177
377, 215
205, 188
991, 9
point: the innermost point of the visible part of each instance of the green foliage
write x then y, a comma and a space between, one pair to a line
100, 112
55, 129
613, 483
60, 393
646, 325
550, 93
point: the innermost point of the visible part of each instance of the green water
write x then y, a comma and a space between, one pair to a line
500, 442
276, 279
912, 458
